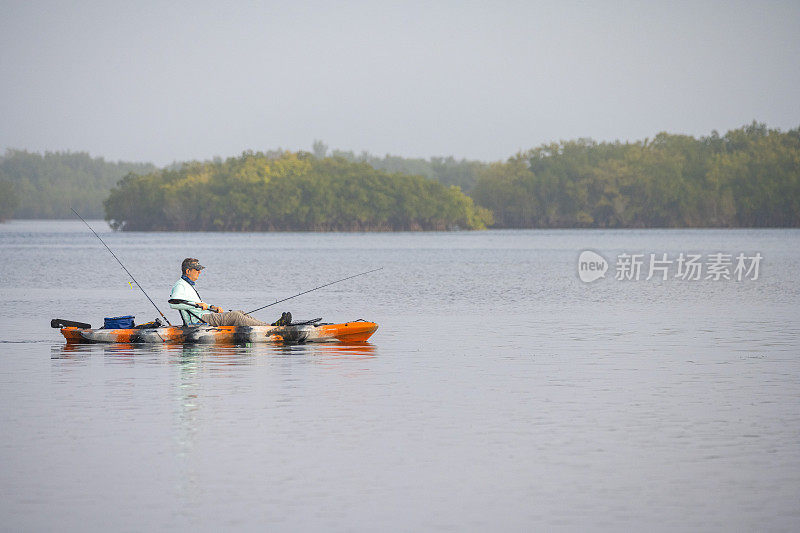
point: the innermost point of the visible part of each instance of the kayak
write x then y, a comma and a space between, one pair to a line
312, 331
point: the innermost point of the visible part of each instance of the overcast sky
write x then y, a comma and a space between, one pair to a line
167, 81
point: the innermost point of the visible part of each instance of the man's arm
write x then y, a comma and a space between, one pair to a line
212, 308
179, 292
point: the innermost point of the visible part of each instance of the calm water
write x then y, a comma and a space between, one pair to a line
500, 392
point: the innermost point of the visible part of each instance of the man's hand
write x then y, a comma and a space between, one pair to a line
216, 309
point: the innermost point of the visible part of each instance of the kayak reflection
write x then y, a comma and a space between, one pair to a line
218, 354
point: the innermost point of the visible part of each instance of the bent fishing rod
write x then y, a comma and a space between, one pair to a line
315, 288
123, 266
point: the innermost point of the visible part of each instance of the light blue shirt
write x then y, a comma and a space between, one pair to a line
184, 291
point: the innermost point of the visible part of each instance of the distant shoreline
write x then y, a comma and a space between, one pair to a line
98, 223
747, 178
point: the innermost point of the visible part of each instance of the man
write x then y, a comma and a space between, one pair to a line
184, 289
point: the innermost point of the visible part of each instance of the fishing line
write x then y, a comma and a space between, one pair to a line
315, 288
123, 266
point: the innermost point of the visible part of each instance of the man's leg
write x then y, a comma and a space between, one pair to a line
231, 318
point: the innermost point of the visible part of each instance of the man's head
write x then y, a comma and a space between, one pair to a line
191, 267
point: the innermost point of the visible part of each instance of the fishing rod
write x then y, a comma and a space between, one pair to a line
315, 288
123, 266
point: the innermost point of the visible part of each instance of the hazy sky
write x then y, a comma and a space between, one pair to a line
165, 81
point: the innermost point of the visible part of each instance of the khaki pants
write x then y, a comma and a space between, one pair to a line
231, 318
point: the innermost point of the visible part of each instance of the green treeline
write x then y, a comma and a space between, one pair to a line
294, 191
447, 170
46, 186
749, 177
8, 200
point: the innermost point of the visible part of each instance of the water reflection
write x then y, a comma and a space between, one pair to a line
346, 350
69, 353
206, 355
203, 385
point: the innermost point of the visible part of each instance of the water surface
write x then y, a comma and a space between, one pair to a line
500, 391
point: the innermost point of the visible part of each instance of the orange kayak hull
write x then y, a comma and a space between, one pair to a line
349, 332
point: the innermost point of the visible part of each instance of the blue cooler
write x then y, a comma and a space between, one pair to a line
118, 322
